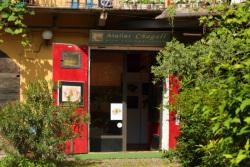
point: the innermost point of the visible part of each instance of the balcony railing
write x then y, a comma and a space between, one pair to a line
124, 4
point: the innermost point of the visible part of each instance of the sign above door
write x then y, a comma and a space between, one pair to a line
135, 38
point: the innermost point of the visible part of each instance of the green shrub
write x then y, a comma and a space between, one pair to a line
214, 100
19, 161
36, 128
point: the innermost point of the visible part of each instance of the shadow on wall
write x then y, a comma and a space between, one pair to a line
35, 66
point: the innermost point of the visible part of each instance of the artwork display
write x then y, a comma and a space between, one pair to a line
71, 59
71, 91
116, 111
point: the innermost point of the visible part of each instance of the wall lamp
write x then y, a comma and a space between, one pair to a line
47, 36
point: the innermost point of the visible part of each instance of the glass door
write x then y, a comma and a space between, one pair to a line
107, 101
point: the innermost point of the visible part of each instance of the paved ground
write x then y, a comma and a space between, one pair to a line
154, 162
149, 162
128, 162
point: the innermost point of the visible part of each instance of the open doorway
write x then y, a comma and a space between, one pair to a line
123, 77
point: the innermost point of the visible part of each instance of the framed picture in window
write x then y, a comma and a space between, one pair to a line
71, 59
71, 91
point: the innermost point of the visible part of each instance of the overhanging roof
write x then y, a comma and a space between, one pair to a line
58, 10
184, 13
120, 19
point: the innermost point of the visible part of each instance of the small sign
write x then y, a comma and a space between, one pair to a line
116, 111
106, 3
138, 38
119, 125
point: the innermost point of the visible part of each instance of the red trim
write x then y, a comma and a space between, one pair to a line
153, 129
174, 130
80, 144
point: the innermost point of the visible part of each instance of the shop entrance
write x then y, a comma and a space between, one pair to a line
121, 82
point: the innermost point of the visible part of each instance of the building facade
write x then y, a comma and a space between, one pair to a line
102, 51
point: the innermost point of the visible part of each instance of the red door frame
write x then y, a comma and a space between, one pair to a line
79, 144
174, 129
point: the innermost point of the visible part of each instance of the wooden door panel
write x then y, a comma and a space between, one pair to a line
9, 80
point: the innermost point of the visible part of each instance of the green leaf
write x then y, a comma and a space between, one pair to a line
12, 18
247, 62
247, 120
244, 104
4, 15
9, 30
18, 31
228, 156
241, 156
227, 123
238, 66
244, 130
235, 120
247, 145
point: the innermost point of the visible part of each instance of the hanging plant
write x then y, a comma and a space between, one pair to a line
171, 11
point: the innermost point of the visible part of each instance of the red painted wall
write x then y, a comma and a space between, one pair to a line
79, 144
174, 130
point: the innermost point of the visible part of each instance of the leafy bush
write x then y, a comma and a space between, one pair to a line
36, 128
214, 101
19, 161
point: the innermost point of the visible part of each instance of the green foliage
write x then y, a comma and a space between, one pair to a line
12, 19
171, 11
37, 128
11, 161
214, 101
168, 154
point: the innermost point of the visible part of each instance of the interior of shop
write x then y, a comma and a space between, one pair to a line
123, 77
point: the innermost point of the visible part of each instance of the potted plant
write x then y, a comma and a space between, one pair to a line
180, 3
125, 4
160, 4
152, 2
133, 4
144, 4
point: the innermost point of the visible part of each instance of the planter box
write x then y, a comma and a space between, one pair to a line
142, 6
125, 6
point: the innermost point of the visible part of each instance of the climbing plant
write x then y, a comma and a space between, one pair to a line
12, 19
214, 99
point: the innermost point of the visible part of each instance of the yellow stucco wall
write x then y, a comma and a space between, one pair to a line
34, 63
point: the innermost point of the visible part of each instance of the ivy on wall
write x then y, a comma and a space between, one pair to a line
12, 19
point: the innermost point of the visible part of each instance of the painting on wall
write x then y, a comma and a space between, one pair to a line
71, 91
116, 111
71, 59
